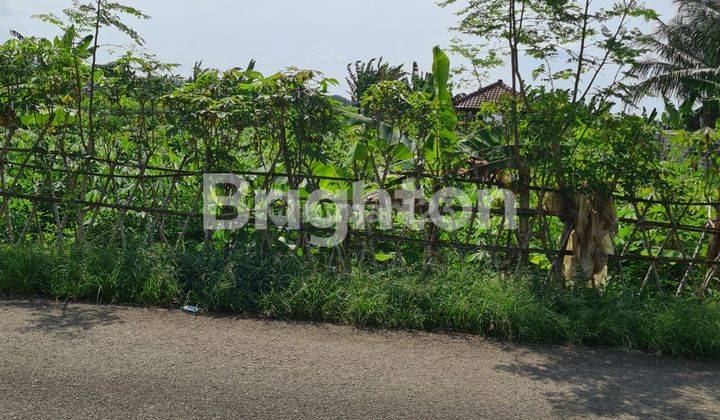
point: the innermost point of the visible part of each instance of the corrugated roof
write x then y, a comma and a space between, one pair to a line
489, 93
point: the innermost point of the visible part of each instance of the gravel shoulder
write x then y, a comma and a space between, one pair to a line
111, 361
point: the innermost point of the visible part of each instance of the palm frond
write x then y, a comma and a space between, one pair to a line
683, 58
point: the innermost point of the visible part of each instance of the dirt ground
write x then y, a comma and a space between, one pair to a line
109, 361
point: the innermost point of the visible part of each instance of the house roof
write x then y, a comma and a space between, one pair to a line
490, 93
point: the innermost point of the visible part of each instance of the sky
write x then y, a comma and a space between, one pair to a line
324, 35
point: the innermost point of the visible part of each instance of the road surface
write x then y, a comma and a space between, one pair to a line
109, 361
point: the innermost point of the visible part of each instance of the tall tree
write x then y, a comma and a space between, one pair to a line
683, 61
363, 75
559, 42
574, 44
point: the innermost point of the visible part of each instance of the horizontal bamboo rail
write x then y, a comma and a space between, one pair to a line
172, 172
117, 169
376, 236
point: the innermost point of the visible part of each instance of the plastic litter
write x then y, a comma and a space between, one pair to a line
191, 309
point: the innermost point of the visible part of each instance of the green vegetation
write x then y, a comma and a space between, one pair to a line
452, 297
683, 61
114, 154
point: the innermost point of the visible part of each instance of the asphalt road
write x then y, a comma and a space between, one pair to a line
112, 362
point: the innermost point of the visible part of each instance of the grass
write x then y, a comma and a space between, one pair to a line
451, 297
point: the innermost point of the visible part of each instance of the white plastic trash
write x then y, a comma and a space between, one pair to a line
191, 309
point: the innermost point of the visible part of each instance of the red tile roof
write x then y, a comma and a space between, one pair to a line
489, 93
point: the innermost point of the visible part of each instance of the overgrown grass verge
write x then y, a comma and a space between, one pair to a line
452, 297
